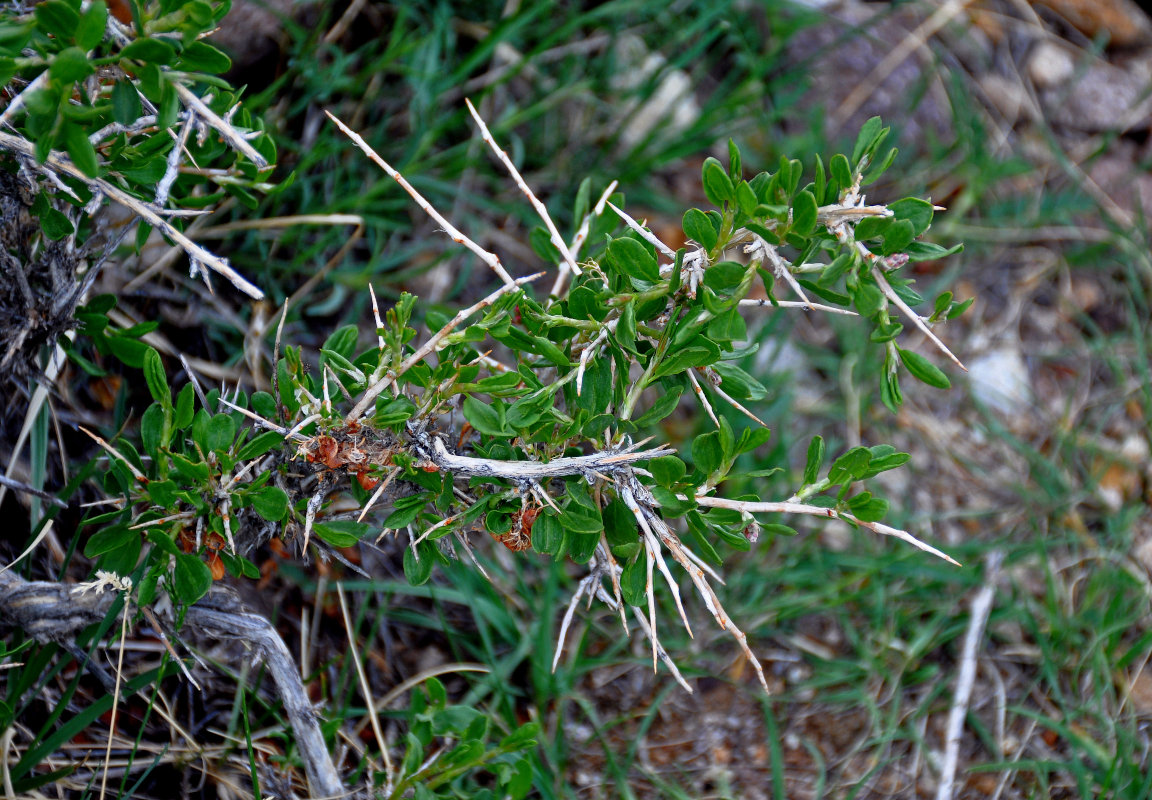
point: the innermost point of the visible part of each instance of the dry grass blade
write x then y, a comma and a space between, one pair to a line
365, 689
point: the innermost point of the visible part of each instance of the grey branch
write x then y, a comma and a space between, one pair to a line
322, 775
604, 462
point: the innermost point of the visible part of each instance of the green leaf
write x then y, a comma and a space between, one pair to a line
867, 508
199, 56
777, 528
804, 211
959, 308
739, 383
164, 494
924, 370
632, 259
55, 225
578, 518
885, 462
633, 579
70, 65
155, 378
890, 393
56, 18
667, 470
7, 69
814, 461
483, 417
725, 277
841, 172
718, 186
917, 211
580, 546
547, 535
126, 106
930, 251
868, 298
698, 227
270, 502
194, 471
942, 304
673, 504
686, 358
728, 327
850, 466
619, 524
407, 509
541, 243
898, 236
746, 199
820, 183
526, 411
192, 579
220, 433
90, 30
109, 539
130, 351
342, 341
184, 407
393, 411
872, 228
732, 535
261, 444
418, 562
626, 327
751, 438
339, 532
871, 135
584, 304
735, 167
152, 51
152, 429
665, 404
707, 454
699, 534
880, 167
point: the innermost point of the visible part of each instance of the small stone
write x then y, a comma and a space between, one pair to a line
999, 379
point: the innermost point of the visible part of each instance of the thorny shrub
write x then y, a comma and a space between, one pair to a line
524, 418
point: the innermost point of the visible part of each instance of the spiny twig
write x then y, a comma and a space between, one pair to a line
491, 259
541, 209
754, 507
197, 254
563, 272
